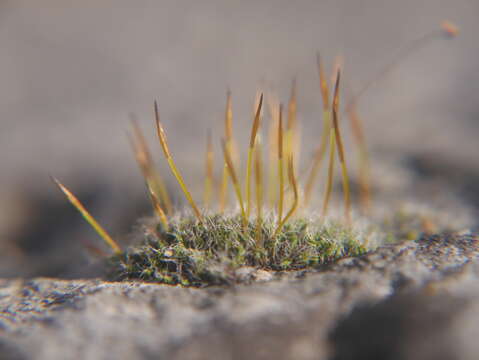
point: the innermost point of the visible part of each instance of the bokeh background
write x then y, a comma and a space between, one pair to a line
73, 72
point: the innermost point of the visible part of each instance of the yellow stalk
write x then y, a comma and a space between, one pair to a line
280, 165
144, 159
209, 175
340, 147
224, 189
329, 183
259, 190
86, 215
318, 158
249, 164
158, 209
292, 135
223, 200
234, 180
171, 163
273, 151
228, 117
292, 181
323, 83
447, 29
364, 167
291, 126
322, 148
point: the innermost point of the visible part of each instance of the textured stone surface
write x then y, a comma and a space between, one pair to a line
416, 300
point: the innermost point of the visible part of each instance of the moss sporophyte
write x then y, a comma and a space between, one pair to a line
276, 232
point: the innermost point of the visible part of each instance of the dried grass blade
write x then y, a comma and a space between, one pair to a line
228, 124
157, 207
164, 144
330, 178
364, 164
209, 173
294, 185
144, 159
340, 148
249, 164
259, 191
87, 216
273, 106
280, 165
322, 147
291, 125
234, 180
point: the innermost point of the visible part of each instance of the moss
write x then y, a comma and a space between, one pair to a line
213, 252
191, 253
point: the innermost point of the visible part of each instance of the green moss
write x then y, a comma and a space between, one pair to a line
213, 252
191, 253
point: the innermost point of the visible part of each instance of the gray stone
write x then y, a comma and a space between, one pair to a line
415, 300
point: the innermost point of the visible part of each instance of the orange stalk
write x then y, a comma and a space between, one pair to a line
329, 183
87, 216
364, 164
145, 162
292, 132
157, 207
294, 206
259, 190
209, 174
164, 145
223, 198
234, 180
272, 151
322, 146
249, 165
280, 165
340, 148
448, 30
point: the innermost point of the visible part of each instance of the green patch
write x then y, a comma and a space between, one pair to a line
191, 253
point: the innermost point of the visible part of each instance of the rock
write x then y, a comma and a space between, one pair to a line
414, 300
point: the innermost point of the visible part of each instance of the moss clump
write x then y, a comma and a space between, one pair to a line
193, 253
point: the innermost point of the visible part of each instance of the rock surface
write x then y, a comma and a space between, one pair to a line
414, 300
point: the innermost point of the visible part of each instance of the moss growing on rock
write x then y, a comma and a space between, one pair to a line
194, 253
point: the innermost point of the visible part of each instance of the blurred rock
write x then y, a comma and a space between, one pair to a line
415, 300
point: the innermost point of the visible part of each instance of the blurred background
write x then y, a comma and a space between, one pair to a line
74, 72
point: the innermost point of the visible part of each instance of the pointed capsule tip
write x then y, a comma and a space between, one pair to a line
449, 28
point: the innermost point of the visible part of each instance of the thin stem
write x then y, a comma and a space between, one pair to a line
292, 125
259, 191
157, 207
294, 206
318, 158
144, 159
249, 164
340, 148
404, 52
322, 147
447, 29
280, 165
228, 123
273, 151
329, 183
87, 216
164, 144
209, 174
364, 163
234, 180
